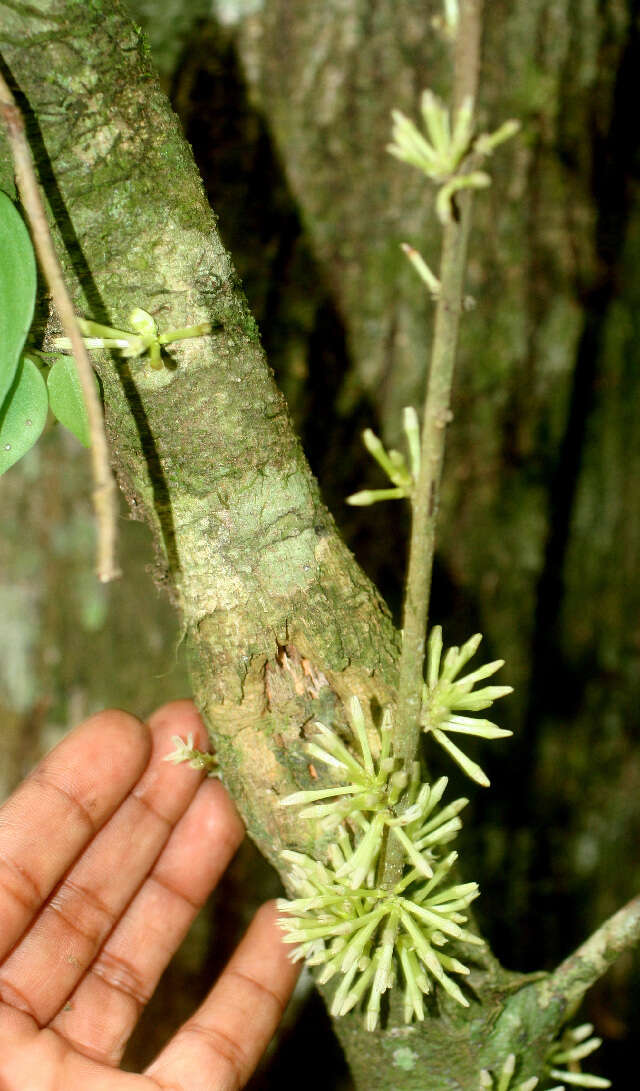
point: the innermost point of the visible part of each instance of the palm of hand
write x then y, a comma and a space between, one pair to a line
106, 854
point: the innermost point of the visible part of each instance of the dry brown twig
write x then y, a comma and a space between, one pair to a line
104, 486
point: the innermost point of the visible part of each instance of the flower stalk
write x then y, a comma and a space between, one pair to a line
436, 416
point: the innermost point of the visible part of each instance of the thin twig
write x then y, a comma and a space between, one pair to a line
593, 958
436, 416
104, 486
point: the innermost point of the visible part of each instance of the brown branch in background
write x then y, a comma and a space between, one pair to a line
593, 958
104, 486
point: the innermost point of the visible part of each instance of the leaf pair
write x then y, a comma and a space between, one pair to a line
25, 398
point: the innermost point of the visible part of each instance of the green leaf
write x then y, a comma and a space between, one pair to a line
23, 414
66, 400
17, 291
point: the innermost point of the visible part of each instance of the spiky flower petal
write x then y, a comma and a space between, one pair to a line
375, 936
503, 1081
342, 919
445, 697
565, 1055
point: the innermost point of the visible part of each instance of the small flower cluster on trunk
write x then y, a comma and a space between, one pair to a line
344, 918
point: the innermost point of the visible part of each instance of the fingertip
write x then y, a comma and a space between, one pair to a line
267, 915
265, 935
219, 814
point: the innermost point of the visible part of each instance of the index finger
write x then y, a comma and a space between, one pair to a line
61, 805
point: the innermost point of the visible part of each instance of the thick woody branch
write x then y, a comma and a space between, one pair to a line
593, 958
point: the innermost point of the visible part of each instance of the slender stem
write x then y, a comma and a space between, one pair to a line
593, 958
104, 486
436, 416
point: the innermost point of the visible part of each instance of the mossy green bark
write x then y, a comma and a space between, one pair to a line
204, 447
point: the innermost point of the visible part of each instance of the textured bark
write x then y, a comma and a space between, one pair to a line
279, 621
204, 448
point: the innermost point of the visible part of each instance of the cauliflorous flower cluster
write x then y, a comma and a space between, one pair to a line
343, 919
445, 697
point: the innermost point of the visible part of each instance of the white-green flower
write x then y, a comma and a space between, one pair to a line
368, 783
342, 918
446, 152
565, 1055
369, 799
446, 700
503, 1080
440, 152
143, 338
375, 936
185, 751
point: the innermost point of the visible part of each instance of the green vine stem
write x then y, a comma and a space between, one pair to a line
436, 416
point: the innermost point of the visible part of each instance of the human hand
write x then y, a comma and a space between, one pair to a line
106, 854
